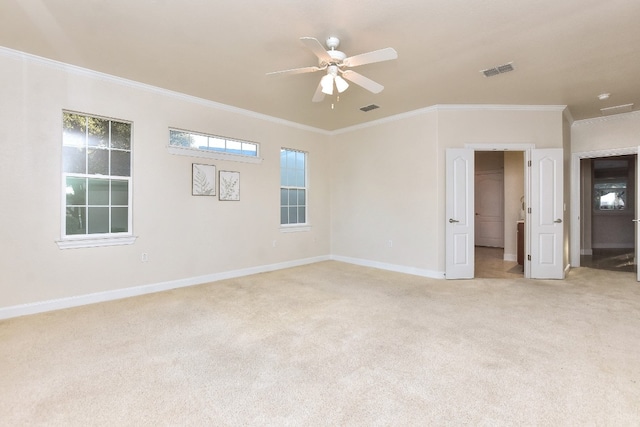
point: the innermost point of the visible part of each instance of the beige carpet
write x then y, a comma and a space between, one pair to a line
334, 344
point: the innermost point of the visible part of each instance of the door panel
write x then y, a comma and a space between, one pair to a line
547, 214
489, 209
459, 225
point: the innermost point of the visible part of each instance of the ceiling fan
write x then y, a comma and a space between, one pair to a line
337, 65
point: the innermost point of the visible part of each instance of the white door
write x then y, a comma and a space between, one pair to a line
637, 216
489, 208
546, 218
459, 239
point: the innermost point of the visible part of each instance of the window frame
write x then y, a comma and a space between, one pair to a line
70, 241
298, 226
212, 153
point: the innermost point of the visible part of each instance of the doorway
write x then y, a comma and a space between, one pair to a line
499, 196
608, 209
544, 227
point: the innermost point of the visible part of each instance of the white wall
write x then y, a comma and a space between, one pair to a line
185, 236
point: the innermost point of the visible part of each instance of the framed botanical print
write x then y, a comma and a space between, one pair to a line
203, 180
229, 185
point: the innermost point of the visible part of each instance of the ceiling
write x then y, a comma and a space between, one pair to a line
564, 52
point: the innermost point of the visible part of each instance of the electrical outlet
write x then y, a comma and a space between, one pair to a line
144, 257
275, 243
390, 243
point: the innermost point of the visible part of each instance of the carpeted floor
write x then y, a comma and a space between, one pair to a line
335, 344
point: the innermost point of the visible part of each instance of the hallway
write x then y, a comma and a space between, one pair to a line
490, 264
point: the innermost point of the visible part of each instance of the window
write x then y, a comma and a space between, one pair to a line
611, 179
293, 187
212, 143
96, 169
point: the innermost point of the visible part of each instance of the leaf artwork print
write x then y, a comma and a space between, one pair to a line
229, 185
203, 180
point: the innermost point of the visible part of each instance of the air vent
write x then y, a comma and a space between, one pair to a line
626, 108
500, 69
369, 107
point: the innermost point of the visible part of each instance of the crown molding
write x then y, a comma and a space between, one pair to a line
15, 54
632, 115
453, 107
85, 72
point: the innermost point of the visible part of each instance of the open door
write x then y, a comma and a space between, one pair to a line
459, 239
637, 216
546, 216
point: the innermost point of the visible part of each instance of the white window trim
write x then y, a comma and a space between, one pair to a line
303, 226
295, 228
210, 154
93, 242
97, 240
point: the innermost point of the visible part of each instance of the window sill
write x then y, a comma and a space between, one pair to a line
95, 242
294, 228
193, 152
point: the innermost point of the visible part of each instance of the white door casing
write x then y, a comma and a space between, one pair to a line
546, 219
459, 225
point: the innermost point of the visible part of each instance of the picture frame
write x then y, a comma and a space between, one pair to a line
229, 182
203, 180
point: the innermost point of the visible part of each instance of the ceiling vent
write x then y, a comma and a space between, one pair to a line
369, 107
500, 69
626, 108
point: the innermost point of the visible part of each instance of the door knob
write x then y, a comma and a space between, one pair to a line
558, 221
451, 220
635, 220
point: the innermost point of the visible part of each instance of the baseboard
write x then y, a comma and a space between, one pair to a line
510, 257
75, 301
390, 267
613, 246
586, 251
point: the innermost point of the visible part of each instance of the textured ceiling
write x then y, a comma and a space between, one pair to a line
564, 52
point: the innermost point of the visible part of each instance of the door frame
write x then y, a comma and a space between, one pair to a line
575, 225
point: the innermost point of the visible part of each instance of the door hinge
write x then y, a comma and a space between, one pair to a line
528, 257
529, 163
529, 210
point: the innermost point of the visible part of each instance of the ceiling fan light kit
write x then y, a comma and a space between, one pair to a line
337, 63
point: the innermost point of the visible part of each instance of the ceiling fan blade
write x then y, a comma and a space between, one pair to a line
296, 70
385, 54
363, 81
316, 47
319, 95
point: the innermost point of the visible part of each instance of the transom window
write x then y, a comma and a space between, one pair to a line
293, 187
220, 144
96, 164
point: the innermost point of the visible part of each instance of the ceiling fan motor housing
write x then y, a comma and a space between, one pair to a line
336, 56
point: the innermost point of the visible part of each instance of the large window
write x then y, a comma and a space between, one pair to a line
293, 187
96, 169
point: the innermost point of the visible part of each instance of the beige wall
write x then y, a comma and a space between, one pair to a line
606, 133
513, 192
385, 182
184, 236
389, 182
376, 192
